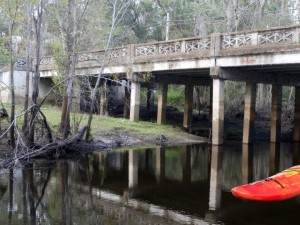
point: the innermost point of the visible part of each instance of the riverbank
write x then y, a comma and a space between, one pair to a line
109, 132
117, 132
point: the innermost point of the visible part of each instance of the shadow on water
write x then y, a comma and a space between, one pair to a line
163, 185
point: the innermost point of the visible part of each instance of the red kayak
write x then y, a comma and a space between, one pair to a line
281, 186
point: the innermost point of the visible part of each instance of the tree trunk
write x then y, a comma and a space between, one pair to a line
12, 83
12, 91
70, 69
28, 68
37, 18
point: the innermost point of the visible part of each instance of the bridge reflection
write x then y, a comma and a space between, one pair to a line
163, 185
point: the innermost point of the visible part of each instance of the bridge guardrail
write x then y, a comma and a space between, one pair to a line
206, 46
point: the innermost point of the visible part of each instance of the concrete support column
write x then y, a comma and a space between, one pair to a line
162, 103
126, 110
218, 112
296, 136
133, 164
160, 165
135, 101
186, 164
210, 104
215, 179
188, 106
103, 100
276, 113
249, 112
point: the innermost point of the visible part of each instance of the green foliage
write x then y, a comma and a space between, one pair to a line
56, 50
176, 95
4, 55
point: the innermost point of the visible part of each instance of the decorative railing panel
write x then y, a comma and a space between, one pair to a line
169, 48
94, 56
275, 37
197, 45
47, 61
236, 41
145, 50
119, 53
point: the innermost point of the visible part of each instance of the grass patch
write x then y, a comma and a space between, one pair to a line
104, 124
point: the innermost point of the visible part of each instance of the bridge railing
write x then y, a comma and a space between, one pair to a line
172, 47
197, 47
285, 35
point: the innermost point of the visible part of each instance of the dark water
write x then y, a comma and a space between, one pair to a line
176, 185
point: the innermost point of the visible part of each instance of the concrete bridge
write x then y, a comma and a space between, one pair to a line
262, 56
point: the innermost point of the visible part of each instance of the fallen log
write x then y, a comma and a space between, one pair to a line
59, 145
48, 149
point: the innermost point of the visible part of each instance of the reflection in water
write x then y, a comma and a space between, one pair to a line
247, 163
176, 185
133, 168
186, 164
160, 164
215, 179
274, 158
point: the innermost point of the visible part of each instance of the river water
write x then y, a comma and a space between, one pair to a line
162, 185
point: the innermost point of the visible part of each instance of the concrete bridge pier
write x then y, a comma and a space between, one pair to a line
135, 101
249, 112
162, 103
276, 113
188, 106
103, 99
296, 136
126, 109
218, 112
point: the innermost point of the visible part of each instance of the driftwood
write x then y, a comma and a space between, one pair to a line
48, 149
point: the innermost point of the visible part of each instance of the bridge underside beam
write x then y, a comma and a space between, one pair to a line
185, 80
282, 78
